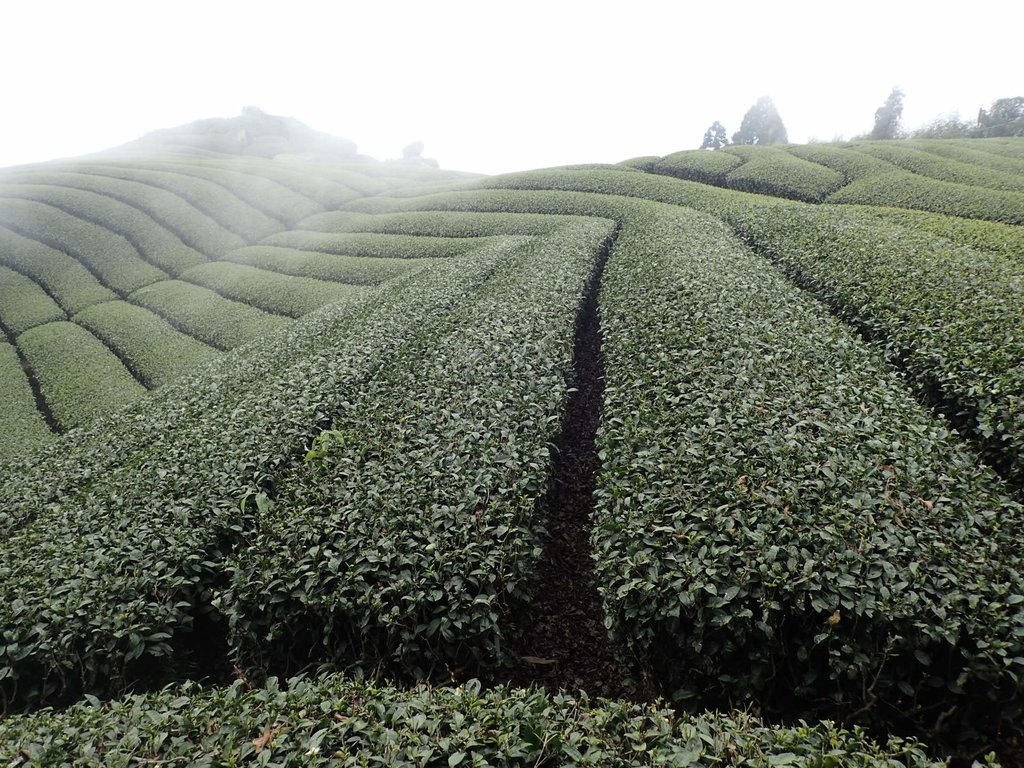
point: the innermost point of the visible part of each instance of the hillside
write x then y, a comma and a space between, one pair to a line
738, 430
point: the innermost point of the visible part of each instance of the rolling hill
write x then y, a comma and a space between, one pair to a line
738, 431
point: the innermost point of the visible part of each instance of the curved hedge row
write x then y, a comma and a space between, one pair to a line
374, 245
916, 159
206, 315
436, 223
23, 304
409, 533
22, 427
216, 202
697, 165
177, 215
158, 246
151, 348
78, 376
337, 722
357, 270
153, 499
109, 256
776, 517
268, 291
62, 277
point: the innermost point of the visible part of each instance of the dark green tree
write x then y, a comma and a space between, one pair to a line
1004, 118
761, 125
715, 137
887, 117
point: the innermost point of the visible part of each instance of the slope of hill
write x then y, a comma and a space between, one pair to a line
265, 416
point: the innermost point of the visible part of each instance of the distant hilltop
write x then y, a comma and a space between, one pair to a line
254, 132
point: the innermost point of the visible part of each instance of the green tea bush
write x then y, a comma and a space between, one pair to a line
78, 376
113, 540
181, 218
356, 270
22, 427
371, 244
157, 245
110, 257
697, 165
262, 193
774, 172
23, 304
914, 158
447, 224
61, 276
206, 315
220, 204
337, 722
849, 163
777, 518
952, 316
268, 291
410, 531
152, 349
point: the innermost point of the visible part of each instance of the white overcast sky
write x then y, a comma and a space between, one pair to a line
493, 86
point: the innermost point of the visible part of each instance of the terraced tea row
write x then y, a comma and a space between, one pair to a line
334, 721
924, 175
92, 250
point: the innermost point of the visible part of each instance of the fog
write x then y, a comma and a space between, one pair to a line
493, 87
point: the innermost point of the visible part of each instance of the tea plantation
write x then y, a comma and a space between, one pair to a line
292, 448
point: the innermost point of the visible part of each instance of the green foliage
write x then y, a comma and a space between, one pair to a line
73, 287
157, 245
215, 201
408, 534
150, 498
356, 270
22, 428
917, 158
269, 291
178, 216
697, 165
23, 304
110, 257
715, 137
79, 377
337, 722
772, 171
444, 224
776, 516
154, 351
206, 315
374, 245
1004, 118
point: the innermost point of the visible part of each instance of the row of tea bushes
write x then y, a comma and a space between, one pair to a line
374, 245
213, 200
24, 304
355, 270
110, 257
150, 347
159, 246
918, 160
777, 518
436, 223
206, 315
412, 527
276, 200
79, 377
272, 292
22, 427
334, 721
112, 539
195, 228
65, 280
952, 316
